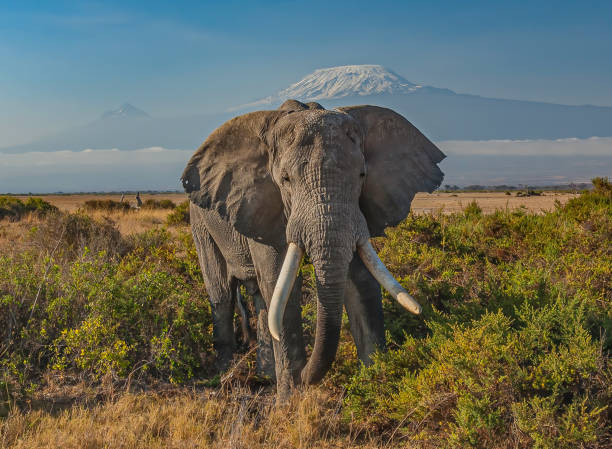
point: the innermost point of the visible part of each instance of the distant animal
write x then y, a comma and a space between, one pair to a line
138, 200
267, 187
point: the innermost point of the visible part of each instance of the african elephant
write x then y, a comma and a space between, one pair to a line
266, 187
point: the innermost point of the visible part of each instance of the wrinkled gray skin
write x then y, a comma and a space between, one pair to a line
323, 179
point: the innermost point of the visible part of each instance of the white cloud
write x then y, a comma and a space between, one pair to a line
594, 146
533, 162
92, 170
95, 159
157, 168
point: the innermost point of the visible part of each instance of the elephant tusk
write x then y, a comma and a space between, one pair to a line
385, 278
282, 289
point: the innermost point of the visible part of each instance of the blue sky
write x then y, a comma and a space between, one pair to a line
63, 63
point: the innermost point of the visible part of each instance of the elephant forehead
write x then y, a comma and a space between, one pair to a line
325, 119
316, 122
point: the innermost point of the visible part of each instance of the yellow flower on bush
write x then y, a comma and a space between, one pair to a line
94, 347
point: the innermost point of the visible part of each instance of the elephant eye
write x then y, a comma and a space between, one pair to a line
285, 177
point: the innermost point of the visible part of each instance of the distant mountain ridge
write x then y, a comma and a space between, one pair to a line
440, 113
128, 128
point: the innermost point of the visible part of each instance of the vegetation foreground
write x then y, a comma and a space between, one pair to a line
105, 338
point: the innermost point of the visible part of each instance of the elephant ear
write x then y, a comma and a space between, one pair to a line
229, 174
400, 162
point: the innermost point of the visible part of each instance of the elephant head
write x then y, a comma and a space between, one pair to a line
316, 181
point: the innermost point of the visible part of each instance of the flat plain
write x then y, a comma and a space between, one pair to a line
423, 202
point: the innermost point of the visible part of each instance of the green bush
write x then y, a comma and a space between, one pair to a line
602, 186
473, 209
587, 206
514, 346
474, 381
180, 215
14, 209
140, 308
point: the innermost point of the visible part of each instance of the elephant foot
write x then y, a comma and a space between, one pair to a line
283, 396
286, 386
265, 365
224, 359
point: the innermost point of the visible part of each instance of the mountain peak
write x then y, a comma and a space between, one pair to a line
125, 110
343, 81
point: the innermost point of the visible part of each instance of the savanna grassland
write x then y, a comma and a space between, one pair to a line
106, 339
423, 202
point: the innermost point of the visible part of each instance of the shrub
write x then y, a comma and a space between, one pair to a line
180, 215
14, 209
158, 204
10, 207
602, 186
513, 349
473, 381
34, 204
529, 192
135, 305
106, 205
472, 209
74, 233
590, 203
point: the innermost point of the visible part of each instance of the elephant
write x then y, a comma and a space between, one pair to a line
267, 187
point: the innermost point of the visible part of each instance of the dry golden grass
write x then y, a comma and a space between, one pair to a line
72, 202
134, 221
240, 419
12, 234
128, 222
489, 202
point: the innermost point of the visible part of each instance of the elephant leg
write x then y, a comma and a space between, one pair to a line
248, 336
289, 352
265, 350
221, 290
363, 303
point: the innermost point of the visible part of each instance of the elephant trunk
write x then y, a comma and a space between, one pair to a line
331, 270
331, 249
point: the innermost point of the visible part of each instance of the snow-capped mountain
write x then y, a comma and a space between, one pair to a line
441, 113
343, 81
125, 110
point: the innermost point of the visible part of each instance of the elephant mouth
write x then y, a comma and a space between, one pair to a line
289, 272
